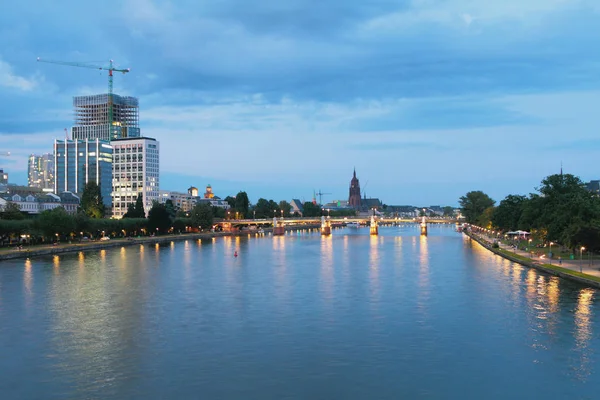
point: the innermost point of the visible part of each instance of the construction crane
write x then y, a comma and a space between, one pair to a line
320, 194
110, 68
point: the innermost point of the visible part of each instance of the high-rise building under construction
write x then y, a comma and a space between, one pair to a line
93, 117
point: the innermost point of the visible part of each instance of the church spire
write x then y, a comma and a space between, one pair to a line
354, 172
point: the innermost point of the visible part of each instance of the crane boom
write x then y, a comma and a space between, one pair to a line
110, 68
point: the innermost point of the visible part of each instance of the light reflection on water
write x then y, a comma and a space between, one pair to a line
295, 316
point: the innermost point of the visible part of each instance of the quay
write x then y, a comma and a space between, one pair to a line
567, 270
44, 250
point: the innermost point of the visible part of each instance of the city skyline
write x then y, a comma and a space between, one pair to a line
427, 100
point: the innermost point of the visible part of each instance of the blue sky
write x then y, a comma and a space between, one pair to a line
427, 99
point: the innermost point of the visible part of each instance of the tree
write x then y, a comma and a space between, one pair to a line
311, 210
473, 205
448, 211
485, 219
91, 201
170, 208
564, 208
507, 215
262, 208
242, 203
136, 210
159, 220
231, 201
12, 211
139, 207
202, 216
179, 224
218, 212
55, 221
286, 207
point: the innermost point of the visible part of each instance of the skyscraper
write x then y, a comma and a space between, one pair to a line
40, 171
135, 173
78, 162
354, 197
92, 117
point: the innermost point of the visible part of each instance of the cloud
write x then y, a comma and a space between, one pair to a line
9, 79
269, 92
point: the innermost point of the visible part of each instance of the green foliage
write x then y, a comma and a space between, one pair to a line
218, 212
242, 204
159, 220
507, 215
136, 210
485, 219
170, 208
564, 211
202, 216
286, 207
474, 204
311, 210
12, 211
55, 221
91, 201
14, 228
231, 201
263, 209
180, 224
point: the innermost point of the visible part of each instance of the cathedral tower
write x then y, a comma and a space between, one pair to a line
354, 198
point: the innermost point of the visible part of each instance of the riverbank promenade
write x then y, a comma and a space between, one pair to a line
576, 266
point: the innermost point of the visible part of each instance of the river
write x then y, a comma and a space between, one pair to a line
350, 316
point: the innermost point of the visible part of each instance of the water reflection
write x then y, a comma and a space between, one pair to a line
27, 282
326, 267
583, 333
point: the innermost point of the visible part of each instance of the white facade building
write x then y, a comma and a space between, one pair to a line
35, 204
135, 173
186, 201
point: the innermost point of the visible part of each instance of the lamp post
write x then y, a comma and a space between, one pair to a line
581, 258
254, 212
328, 213
550, 253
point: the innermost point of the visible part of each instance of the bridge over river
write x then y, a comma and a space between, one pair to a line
339, 221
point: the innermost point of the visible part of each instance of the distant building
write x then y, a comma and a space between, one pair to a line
3, 177
193, 191
593, 186
135, 173
297, 206
40, 171
354, 200
181, 201
186, 201
209, 193
92, 118
370, 203
37, 203
78, 162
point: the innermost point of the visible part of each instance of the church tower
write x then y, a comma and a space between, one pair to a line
354, 198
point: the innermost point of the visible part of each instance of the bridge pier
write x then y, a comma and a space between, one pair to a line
278, 228
423, 227
374, 229
325, 227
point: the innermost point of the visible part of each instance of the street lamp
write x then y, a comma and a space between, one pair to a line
550, 254
254, 214
581, 258
328, 213
282, 213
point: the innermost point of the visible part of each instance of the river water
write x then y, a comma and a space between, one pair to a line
297, 317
